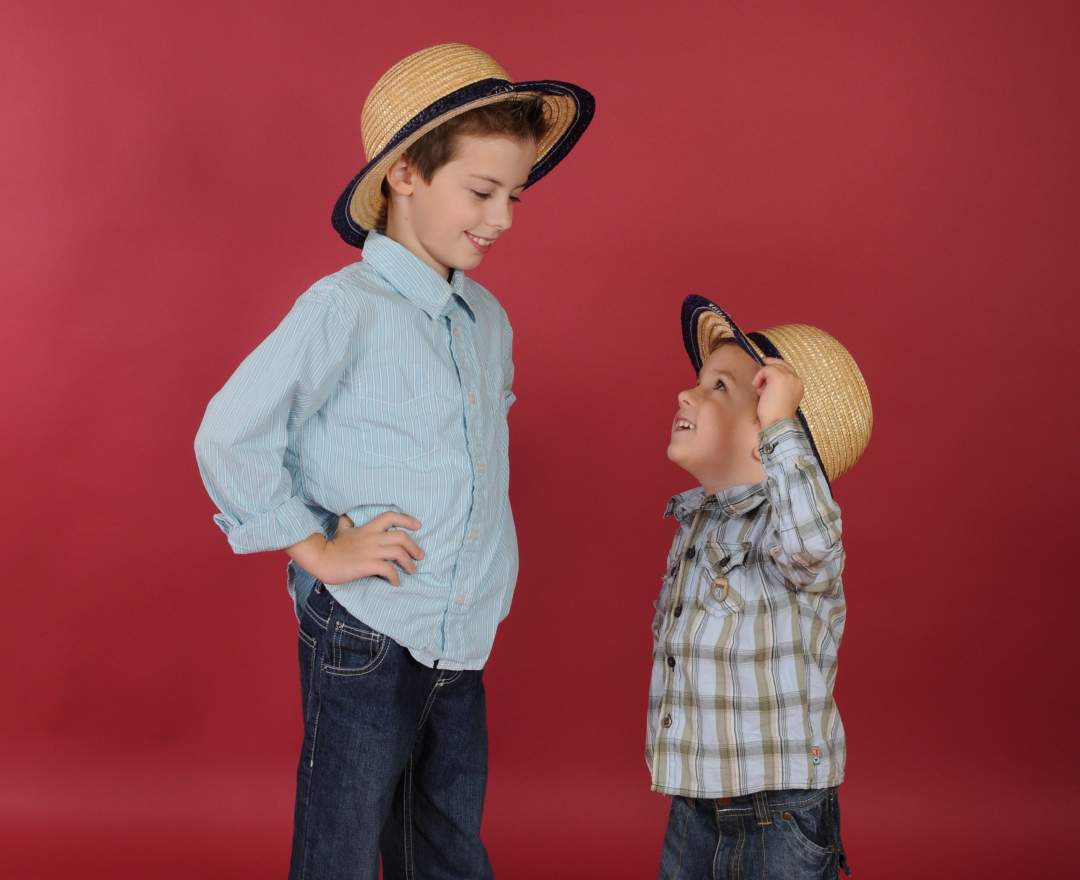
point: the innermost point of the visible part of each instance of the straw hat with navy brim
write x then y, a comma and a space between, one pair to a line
425, 90
835, 409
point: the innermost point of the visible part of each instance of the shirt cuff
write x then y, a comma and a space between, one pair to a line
783, 441
276, 529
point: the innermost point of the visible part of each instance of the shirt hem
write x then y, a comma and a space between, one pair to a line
742, 792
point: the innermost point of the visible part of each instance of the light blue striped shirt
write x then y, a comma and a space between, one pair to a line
385, 388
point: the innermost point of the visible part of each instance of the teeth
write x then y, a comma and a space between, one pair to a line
684, 425
483, 241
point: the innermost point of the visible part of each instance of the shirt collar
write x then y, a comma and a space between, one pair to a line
733, 501
413, 278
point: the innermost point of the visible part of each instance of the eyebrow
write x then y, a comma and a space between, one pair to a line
495, 181
717, 372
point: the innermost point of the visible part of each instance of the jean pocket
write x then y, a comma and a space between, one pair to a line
809, 827
353, 648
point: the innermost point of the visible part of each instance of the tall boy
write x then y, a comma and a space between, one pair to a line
381, 401
743, 731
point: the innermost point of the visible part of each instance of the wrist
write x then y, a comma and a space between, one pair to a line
767, 420
310, 553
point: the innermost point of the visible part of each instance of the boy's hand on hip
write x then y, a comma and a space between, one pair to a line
370, 550
780, 391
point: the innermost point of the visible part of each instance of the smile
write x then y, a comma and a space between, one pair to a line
481, 244
683, 425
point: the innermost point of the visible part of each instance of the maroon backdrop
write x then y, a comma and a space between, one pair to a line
901, 174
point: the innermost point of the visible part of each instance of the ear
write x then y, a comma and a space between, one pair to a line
755, 454
401, 177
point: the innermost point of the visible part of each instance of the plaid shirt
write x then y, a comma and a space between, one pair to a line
746, 632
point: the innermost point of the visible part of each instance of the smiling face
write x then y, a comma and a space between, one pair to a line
715, 433
453, 221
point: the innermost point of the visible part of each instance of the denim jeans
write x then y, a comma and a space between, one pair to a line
394, 758
774, 835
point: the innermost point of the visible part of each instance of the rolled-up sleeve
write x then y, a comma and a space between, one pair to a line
242, 446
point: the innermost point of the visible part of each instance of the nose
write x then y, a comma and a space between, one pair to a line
501, 214
684, 397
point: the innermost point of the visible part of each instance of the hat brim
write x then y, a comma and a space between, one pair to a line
701, 318
364, 191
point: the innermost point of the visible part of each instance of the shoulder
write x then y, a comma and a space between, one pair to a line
349, 294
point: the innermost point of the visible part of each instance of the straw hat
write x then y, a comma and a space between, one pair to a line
426, 89
835, 409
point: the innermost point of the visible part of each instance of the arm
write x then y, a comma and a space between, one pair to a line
805, 541
242, 441
242, 444
806, 528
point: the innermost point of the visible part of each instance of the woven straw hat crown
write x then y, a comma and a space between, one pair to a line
836, 402
417, 82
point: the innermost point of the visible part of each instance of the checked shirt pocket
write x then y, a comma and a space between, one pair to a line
720, 597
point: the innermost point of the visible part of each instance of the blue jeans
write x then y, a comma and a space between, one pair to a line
394, 758
773, 835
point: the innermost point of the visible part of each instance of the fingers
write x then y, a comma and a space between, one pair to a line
400, 539
343, 522
390, 520
387, 572
398, 555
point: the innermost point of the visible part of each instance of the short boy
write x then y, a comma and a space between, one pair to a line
743, 731
381, 401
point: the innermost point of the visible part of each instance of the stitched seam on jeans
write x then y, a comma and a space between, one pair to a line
682, 845
365, 670
406, 831
306, 639
427, 706
805, 842
737, 855
307, 795
321, 621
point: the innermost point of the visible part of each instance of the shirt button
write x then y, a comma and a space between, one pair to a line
481, 468
769, 448
671, 662
691, 553
678, 610
456, 331
474, 534
667, 721
472, 398
460, 600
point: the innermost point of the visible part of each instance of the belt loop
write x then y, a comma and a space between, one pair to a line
761, 808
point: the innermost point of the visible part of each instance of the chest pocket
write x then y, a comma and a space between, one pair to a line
721, 559
404, 417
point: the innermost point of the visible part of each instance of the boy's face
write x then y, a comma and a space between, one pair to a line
715, 433
453, 221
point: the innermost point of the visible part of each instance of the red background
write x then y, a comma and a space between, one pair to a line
901, 174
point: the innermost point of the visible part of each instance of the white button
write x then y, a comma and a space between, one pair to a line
481, 468
472, 398
460, 600
474, 534
456, 331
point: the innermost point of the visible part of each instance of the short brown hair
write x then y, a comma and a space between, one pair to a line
519, 118
719, 342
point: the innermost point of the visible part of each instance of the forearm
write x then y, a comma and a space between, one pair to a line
806, 519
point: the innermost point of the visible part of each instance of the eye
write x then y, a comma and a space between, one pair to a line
720, 386
481, 195
516, 199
